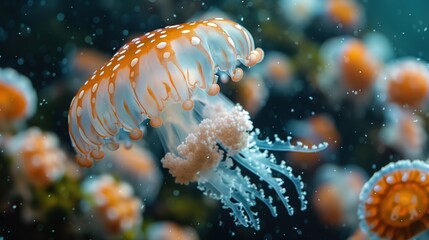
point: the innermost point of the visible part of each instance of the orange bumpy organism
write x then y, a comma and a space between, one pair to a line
395, 201
160, 68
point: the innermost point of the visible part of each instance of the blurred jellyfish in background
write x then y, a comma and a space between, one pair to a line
170, 231
112, 204
336, 195
83, 63
278, 72
168, 77
38, 164
252, 93
18, 100
405, 82
344, 15
348, 70
299, 13
404, 131
393, 204
136, 166
313, 130
38, 156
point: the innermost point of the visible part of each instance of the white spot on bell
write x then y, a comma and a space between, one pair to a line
161, 45
195, 41
134, 62
212, 24
94, 87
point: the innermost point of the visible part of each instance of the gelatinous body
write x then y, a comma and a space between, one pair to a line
346, 13
137, 166
168, 76
299, 13
404, 131
252, 93
349, 69
160, 68
18, 98
394, 203
405, 83
336, 194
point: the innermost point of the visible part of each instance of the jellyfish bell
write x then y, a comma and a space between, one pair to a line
38, 157
300, 13
113, 203
17, 99
169, 77
404, 131
394, 202
150, 73
405, 82
135, 165
349, 70
336, 194
252, 93
346, 14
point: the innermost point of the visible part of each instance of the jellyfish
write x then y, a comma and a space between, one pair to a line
278, 72
347, 14
336, 194
136, 165
300, 13
113, 203
168, 77
349, 70
252, 93
404, 131
38, 164
393, 204
17, 99
405, 82
38, 157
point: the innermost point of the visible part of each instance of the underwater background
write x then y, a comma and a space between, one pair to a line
58, 44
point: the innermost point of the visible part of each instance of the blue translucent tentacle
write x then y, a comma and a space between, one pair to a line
281, 145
